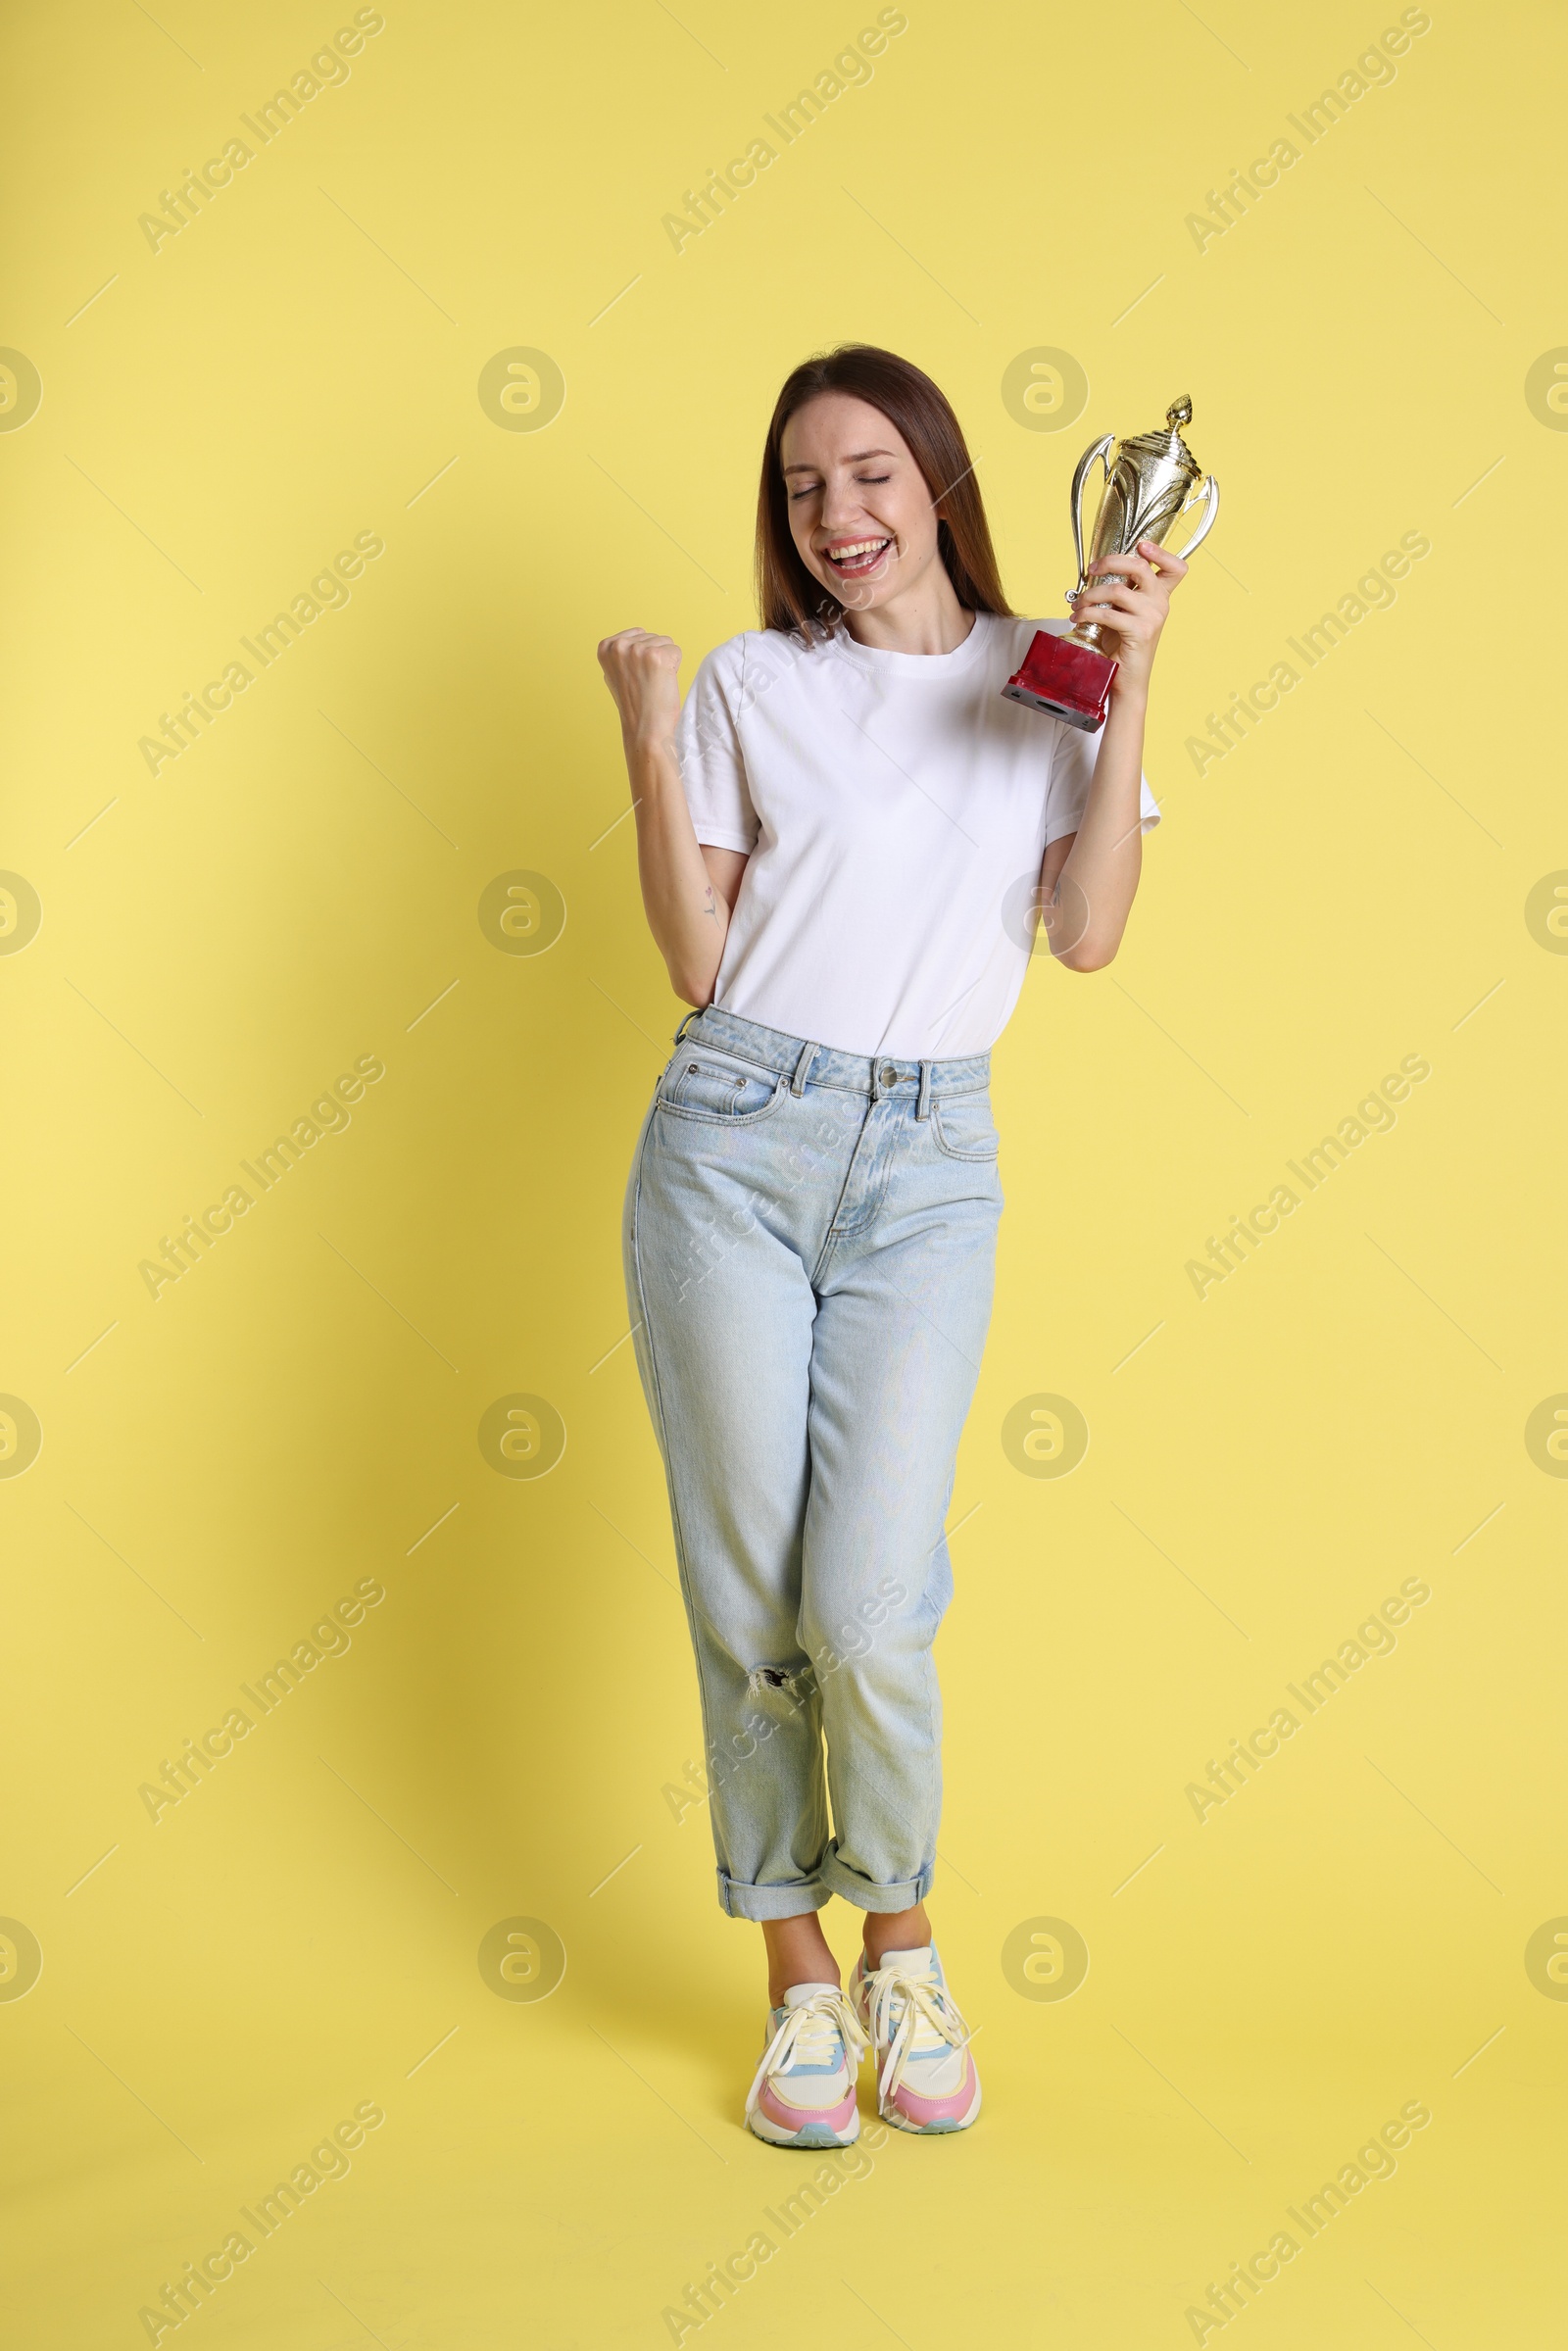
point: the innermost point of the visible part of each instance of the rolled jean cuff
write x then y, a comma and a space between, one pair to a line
864, 1895
739, 1901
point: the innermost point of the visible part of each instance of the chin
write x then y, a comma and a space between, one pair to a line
861, 596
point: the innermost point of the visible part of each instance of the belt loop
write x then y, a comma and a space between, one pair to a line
803, 1068
922, 1108
687, 1022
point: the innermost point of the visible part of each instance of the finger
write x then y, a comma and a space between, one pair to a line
1131, 563
1121, 626
1172, 568
1117, 583
1134, 602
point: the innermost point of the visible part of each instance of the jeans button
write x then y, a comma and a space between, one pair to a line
890, 1076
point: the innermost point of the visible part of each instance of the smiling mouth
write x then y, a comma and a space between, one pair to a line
856, 558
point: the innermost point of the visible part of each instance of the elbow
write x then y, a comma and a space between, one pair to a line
1089, 956
699, 993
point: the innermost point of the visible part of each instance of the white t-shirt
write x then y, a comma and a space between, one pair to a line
896, 808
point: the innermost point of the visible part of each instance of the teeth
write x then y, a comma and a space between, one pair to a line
845, 554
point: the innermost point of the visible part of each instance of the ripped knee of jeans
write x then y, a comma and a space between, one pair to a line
794, 1684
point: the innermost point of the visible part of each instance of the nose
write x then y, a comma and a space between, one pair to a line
840, 507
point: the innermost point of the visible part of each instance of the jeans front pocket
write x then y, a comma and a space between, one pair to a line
961, 1125
701, 1084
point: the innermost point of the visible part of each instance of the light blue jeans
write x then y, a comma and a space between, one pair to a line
810, 1248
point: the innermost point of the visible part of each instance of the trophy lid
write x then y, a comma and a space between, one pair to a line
1180, 412
1169, 445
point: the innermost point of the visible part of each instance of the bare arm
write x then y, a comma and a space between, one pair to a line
687, 890
1089, 879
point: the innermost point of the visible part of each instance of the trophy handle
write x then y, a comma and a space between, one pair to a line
1208, 490
1101, 450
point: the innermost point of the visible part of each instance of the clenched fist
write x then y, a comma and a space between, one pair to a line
642, 673
1135, 608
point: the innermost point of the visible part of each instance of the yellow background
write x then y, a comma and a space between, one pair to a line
219, 1467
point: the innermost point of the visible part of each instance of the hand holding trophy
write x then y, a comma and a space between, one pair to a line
1152, 481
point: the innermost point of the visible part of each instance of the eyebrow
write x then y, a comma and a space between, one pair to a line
859, 455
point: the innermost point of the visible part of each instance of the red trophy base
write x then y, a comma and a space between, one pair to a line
1072, 682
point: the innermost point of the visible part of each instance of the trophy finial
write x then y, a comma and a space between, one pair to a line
1179, 411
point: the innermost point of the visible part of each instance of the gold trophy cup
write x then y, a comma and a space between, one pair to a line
1153, 479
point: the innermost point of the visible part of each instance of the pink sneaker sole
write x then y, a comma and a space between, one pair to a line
781, 2126
929, 2118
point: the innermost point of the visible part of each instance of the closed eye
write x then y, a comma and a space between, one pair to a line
811, 488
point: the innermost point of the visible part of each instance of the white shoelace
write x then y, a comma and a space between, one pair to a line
811, 2031
923, 2001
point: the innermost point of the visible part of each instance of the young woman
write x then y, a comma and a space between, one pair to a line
845, 840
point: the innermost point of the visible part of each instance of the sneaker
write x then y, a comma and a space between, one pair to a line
804, 2093
926, 2077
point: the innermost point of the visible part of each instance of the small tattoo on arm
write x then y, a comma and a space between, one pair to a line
710, 907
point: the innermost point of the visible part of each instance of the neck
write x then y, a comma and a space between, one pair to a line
925, 618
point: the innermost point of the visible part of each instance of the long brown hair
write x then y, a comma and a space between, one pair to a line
788, 595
